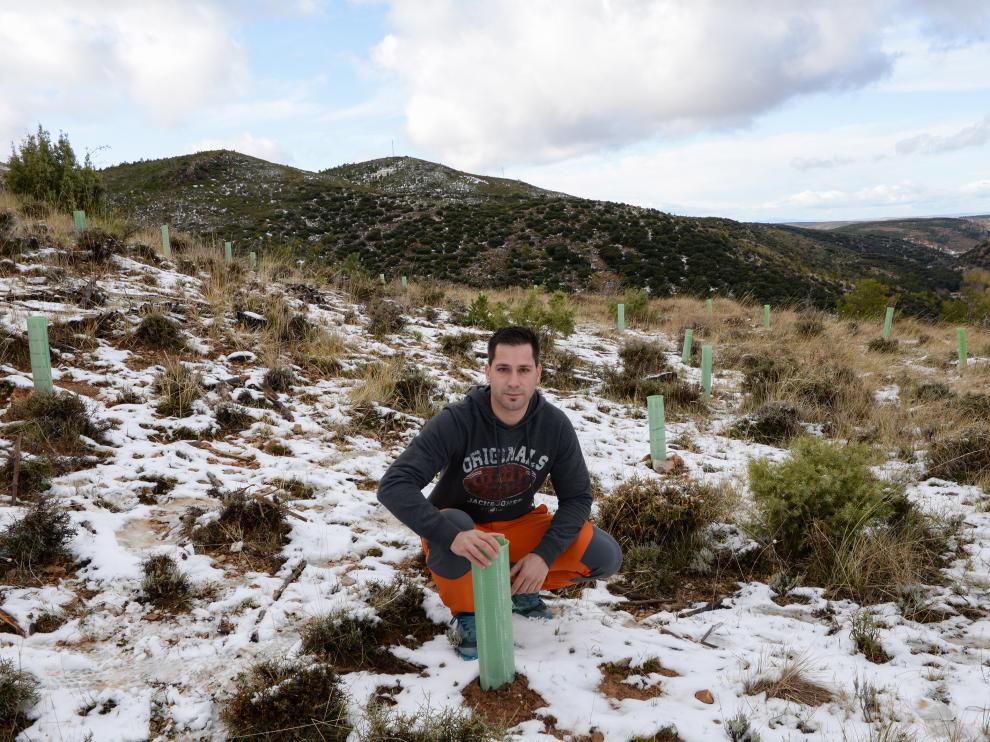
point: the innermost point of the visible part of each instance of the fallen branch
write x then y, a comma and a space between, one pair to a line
712, 606
279, 406
11, 622
292, 577
280, 507
206, 446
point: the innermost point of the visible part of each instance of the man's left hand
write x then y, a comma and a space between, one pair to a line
528, 574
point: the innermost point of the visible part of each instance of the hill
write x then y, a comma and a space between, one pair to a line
402, 215
954, 235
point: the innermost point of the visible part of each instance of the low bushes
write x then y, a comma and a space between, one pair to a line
159, 332
660, 525
276, 700
18, 693
356, 641
259, 526
56, 420
457, 345
164, 584
40, 536
384, 318
773, 423
823, 512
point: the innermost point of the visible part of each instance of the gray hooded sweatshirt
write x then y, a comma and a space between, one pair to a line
490, 471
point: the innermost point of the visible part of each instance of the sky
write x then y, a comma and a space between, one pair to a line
757, 110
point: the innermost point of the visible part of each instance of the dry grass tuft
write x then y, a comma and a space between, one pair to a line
164, 584
396, 384
55, 421
178, 387
158, 331
790, 683
962, 455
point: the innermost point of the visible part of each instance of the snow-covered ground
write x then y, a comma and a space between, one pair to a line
179, 670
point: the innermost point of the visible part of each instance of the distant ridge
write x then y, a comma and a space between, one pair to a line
402, 214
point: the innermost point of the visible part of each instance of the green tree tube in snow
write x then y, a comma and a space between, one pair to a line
658, 432
41, 360
493, 617
766, 316
620, 311
166, 245
961, 341
706, 370
688, 341
888, 320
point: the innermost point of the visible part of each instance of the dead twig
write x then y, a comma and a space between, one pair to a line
292, 577
15, 458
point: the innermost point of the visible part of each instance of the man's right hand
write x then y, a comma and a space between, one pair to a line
478, 547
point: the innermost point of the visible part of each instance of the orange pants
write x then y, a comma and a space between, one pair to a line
523, 535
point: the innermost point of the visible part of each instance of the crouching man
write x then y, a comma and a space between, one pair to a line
493, 450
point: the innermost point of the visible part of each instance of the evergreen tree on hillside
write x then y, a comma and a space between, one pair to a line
49, 171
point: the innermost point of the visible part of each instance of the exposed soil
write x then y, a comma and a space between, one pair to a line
507, 706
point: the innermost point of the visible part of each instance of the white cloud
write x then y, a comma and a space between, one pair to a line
974, 135
61, 56
818, 163
246, 143
496, 81
976, 188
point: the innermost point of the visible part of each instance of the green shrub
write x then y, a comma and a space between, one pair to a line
158, 331
100, 244
164, 584
346, 641
869, 300
636, 306
482, 314
18, 693
413, 392
556, 316
809, 326
277, 700
50, 172
559, 367
40, 536
677, 394
824, 492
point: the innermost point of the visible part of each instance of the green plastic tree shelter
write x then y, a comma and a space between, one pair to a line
709, 305
41, 359
658, 432
166, 244
766, 315
228, 251
381, 277
688, 342
961, 341
405, 282
888, 320
253, 259
493, 617
79, 216
706, 370
620, 311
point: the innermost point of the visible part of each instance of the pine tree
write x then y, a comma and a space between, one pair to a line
50, 172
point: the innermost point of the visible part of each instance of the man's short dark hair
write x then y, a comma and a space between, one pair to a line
514, 335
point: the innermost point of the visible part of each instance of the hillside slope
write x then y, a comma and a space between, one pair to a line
406, 216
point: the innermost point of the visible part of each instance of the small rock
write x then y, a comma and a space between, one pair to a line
705, 696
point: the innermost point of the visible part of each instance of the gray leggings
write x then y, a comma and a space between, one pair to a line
603, 555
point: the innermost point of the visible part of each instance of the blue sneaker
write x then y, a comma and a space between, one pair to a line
530, 605
464, 636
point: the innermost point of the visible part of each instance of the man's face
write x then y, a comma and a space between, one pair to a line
513, 376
